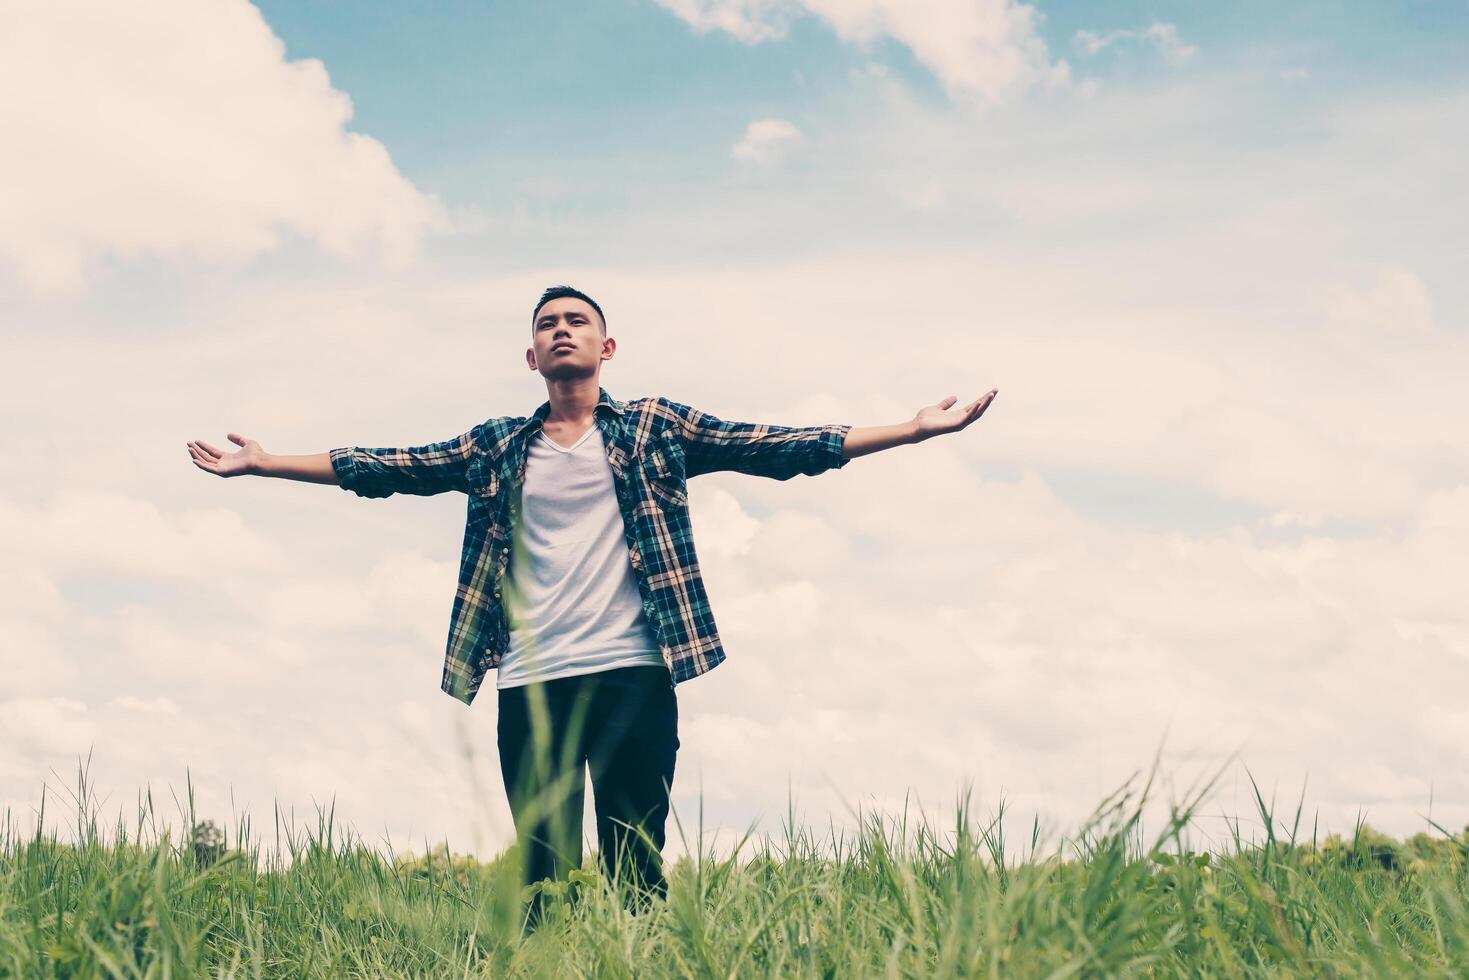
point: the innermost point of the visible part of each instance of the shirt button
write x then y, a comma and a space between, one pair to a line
496, 593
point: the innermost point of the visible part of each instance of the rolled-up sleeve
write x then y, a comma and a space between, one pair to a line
756, 448
437, 467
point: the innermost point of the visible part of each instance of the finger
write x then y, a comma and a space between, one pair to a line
235, 438
945, 403
210, 450
977, 408
198, 458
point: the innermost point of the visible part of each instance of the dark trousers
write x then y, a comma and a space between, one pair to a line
622, 724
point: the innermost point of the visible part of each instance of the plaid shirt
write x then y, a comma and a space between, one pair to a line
653, 446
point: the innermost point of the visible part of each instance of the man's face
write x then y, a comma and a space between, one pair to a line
567, 340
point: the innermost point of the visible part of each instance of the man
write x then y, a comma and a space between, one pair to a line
579, 583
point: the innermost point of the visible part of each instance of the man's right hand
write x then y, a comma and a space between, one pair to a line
211, 460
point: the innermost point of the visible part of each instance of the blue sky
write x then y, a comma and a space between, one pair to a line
589, 115
470, 83
1211, 255
478, 84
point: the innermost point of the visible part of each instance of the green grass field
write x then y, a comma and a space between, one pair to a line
895, 899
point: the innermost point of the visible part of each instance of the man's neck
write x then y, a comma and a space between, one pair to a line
574, 400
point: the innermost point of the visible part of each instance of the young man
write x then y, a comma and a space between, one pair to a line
578, 582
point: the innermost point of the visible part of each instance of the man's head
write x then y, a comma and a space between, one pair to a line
564, 292
568, 318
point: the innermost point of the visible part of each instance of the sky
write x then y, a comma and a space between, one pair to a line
1210, 255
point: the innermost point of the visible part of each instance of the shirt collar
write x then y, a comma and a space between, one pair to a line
604, 401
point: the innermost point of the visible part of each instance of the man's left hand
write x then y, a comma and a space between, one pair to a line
937, 419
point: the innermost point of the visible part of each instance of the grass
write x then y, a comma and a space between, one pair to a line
892, 899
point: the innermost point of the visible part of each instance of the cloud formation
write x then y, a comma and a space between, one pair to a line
765, 140
1162, 36
981, 50
179, 128
1223, 494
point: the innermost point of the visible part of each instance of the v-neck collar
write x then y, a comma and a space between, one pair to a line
610, 417
574, 446
604, 400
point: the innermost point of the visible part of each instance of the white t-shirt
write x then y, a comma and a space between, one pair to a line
571, 601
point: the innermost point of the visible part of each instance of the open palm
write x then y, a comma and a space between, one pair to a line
211, 460
936, 419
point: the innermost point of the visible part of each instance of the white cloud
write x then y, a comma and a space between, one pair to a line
31, 656
45, 726
1222, 489
179, 128
101, 531
29, 593
1035, 649
402, 587
1398, 303
213, 656
1162, 36
32, 615
1025, 644
765, 140
724, 526
981, 50
147, 706
751, 21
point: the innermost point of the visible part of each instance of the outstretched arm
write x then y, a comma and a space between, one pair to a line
422, 470
711, 444
781, 452
252, 460
932, 420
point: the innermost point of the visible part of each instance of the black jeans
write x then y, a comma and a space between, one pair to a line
623, 725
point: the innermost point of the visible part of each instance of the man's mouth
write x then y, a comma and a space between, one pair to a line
560, 347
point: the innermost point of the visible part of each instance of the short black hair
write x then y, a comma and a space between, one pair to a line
557, 292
